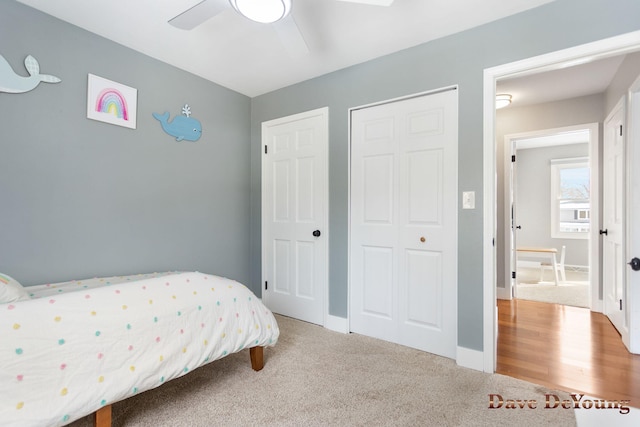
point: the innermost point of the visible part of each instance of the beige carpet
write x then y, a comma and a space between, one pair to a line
576, 295
316, 377
574, 292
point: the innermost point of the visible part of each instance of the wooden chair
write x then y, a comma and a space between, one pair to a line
545, 265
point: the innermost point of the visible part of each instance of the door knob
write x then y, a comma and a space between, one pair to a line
519, 227
316, 233
605, 232
422, 239
635, 264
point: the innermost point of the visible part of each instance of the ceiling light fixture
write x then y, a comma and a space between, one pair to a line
264, 11
502, 100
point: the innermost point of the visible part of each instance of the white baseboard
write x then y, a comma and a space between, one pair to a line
503, 293
528, 264
337, 324
472, 359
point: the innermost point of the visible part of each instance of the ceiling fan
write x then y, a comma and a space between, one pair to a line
275, 12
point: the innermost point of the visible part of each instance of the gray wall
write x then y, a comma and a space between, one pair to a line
533, 201
550, 115
82, 198
457, 59
628, 72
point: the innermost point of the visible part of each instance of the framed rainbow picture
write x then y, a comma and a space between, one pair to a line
111, 102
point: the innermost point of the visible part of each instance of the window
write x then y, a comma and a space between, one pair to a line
570, 198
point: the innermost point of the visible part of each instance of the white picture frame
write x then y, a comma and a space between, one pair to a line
111, 102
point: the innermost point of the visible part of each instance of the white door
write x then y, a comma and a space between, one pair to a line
513, 194
295, 215
403, 251
613, 228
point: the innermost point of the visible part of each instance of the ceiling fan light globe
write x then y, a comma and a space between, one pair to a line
263, 11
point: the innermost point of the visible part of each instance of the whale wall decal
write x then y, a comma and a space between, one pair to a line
183, 128
11, 82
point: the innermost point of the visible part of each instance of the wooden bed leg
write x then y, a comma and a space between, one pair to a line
102, 417
257, 358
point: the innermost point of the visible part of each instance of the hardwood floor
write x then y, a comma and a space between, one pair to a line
566, 348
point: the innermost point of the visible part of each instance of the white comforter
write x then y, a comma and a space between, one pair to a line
77, 346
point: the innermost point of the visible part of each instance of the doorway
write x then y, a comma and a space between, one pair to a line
551, 203
609, 47
295, 215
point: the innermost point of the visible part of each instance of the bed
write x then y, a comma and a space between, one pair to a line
71, 349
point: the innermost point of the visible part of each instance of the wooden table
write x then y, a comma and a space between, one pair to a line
547, 252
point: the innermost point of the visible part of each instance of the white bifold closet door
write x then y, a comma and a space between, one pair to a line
403, 251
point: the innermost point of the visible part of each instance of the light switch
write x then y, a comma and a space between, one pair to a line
468, 200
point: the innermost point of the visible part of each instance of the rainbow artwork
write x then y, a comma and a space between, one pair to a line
111, 101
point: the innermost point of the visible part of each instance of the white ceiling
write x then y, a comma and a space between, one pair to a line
249, 58
564, 83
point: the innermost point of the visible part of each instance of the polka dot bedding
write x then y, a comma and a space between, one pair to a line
76, 346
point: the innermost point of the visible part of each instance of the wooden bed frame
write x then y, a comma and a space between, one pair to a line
102, 417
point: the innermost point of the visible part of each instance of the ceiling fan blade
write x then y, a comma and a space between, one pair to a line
371, 2
201, 12
290, 36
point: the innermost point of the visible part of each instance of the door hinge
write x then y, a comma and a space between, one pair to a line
266, 285
620, 130
513, 274
513, 157
493, 241
265, 149
620, 305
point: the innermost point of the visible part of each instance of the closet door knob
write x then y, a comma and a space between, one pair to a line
423, 239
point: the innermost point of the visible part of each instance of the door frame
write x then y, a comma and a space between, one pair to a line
349, 142
324, 112
617, 45
594, 236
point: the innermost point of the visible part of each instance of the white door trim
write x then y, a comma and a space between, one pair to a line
328, 321
596, 50
509, 203
594, 236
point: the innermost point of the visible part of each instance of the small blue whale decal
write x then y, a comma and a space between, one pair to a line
11, 82
181, 127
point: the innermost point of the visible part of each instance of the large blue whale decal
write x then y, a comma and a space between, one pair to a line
11, 82
181, 127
